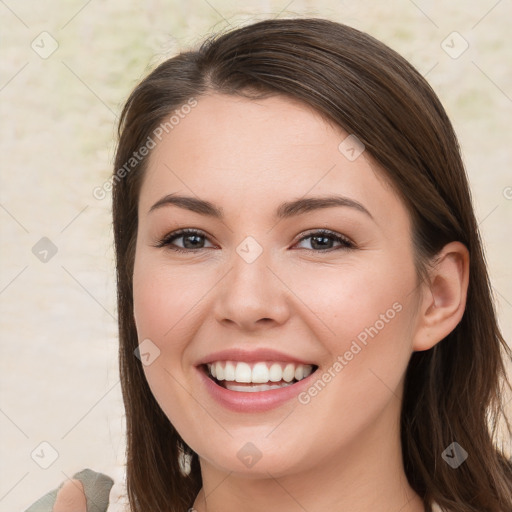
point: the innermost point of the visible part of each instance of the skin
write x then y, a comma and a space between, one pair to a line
71, 497
340, 451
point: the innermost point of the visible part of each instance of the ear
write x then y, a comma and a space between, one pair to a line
443, 297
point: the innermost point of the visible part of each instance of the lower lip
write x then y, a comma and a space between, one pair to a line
257, 401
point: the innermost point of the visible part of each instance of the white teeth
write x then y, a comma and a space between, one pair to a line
258, 373
256, 387
242, 372
229, 371
276, 373
289, 372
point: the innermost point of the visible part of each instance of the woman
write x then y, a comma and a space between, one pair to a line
305, 314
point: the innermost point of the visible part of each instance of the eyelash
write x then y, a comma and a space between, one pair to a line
167, 240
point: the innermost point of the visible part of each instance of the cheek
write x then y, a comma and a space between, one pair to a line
363, 318
167, 304
355, 301
367, 357
164, 299
164, 302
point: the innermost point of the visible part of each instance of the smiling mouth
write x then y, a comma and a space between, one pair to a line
254, 377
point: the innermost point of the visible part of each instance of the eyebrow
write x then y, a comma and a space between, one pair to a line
284, 211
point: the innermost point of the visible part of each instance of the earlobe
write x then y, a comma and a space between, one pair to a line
444, 296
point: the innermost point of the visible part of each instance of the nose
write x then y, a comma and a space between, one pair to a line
251, 296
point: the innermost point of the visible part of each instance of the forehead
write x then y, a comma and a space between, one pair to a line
228, 126
244, 152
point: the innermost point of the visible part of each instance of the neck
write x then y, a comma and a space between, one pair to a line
365, 475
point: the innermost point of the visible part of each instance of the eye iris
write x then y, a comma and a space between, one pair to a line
196, 243
322, 245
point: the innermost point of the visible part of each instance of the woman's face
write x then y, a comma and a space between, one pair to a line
258, 279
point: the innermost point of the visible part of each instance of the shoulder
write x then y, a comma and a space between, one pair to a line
87, 490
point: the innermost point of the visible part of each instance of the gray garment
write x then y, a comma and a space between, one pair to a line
96, 487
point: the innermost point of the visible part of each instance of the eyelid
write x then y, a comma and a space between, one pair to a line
324, 231
166, 239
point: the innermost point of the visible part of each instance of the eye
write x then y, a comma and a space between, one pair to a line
323, 240
191, 239
194, 239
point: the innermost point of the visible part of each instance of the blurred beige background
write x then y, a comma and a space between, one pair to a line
65, 70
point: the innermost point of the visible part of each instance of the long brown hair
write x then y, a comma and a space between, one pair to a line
453, 392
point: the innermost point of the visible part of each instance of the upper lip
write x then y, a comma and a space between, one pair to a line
241, 354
